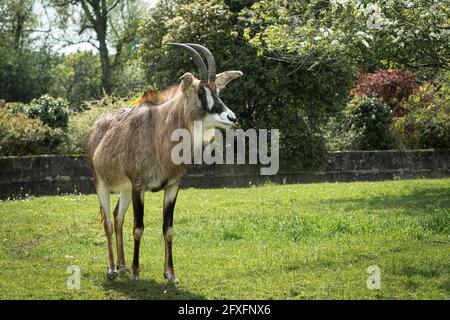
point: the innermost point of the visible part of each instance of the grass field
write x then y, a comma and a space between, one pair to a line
312, 241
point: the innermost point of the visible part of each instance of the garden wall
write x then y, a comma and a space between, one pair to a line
45, 175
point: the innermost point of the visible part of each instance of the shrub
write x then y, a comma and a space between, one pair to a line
53, 112
393, 86
339, 134
20, 135
372, 118
364, 125
80, 123
426, 123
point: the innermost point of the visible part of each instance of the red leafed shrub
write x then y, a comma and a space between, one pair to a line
393, 86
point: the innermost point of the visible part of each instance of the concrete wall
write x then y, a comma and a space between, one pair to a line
45, 175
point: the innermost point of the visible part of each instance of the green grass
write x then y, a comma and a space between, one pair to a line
312, 241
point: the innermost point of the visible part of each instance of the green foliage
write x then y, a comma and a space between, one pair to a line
17, 20
81, 123
364, 125
339, 134
372, 118
24, 74
25, 60
24, 131
76, 78
272, 94
20, 135
300, 139
426, 122
368, 34
53, 112
129, 78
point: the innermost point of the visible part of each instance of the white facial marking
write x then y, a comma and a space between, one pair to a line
209, 99
224, 115
217, 120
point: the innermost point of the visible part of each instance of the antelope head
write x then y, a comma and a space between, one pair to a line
203, 94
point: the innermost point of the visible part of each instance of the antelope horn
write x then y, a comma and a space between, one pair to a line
209, 58
203, 72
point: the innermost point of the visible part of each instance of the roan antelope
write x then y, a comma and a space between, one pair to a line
130, 152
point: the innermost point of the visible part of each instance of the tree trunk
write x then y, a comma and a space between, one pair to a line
18, 32
104, 60
97, 14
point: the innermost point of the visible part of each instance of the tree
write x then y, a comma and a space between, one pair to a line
17, 21
24, 63
113, 23
272, 94
76, 78
368, 34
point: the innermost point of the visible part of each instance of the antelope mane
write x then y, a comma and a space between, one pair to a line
156, 98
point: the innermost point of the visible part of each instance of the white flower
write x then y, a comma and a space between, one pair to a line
374, 22
395, 39
368, 9
364, 42
340, 2
434, 35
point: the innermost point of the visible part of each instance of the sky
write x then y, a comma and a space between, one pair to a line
46, 20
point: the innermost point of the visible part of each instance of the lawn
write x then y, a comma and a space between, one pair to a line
311, 241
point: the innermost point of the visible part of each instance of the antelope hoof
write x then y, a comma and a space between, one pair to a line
111, 275
135, 274
134, 277
170, 276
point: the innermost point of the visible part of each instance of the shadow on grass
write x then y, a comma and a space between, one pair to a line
415, 201
148, 290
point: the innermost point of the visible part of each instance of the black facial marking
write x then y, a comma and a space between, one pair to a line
218, 106
202, 96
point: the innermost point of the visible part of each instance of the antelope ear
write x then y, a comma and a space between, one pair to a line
187, 81
222, 79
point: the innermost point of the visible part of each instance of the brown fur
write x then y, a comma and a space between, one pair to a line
134, 143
